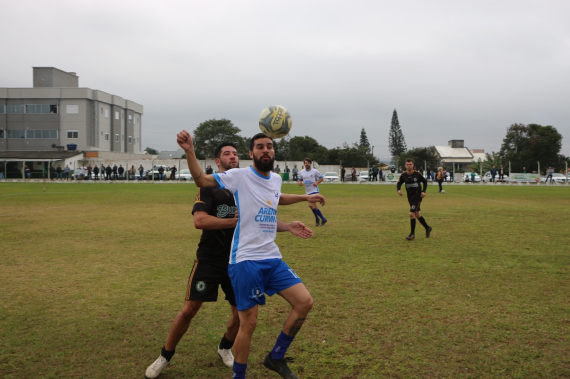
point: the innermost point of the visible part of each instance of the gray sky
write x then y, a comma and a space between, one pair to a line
452, 69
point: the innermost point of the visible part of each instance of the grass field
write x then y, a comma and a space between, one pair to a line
92, 276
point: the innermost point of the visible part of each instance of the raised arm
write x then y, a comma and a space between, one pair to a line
184, 140
288, 199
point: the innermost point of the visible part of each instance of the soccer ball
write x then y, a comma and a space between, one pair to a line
442, 191
275, 121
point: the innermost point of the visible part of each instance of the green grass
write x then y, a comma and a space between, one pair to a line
92, 276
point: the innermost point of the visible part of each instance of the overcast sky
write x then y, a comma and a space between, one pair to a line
452, 69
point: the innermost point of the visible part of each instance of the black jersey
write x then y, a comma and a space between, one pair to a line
215, 245
413, 184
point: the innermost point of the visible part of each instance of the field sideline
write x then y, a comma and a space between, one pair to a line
93, 275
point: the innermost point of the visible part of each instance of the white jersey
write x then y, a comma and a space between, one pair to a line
256, 197
309, 178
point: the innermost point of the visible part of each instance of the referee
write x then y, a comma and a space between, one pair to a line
412, 179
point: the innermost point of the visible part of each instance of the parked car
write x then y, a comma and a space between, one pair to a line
558, 178
363, 176
487, 177
467, 177
331, 177
154, 172
185, 175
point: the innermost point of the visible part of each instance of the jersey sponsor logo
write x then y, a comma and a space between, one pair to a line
411, 185
201, 286
224, 210
266, 215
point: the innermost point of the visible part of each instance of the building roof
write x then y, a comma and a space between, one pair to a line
38, 155
454, 154
171, 154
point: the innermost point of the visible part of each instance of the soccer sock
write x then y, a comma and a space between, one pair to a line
281, 346
225, 343
167, 354
315, 213
413, 225
423, 222
239, 370
320, 215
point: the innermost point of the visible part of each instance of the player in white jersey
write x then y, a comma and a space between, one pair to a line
311, 178
255, 261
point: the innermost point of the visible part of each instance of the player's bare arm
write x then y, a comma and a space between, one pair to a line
296, 228
288, 199
205, 221
319, 181
185, 142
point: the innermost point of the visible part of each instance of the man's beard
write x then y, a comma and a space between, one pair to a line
228, 166
262, 166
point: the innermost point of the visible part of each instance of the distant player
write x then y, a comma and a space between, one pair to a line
413, 179
311, 178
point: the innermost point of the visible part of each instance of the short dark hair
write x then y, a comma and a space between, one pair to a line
409, 160
218, 151
256, 137
308, 159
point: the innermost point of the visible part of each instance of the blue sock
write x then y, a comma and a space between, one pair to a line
316, 214
281, 346
239, 370
321, 215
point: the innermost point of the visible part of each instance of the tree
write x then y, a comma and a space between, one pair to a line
491, 160
209, 134
396, 142
364, 144
151, 151
421, 157
307, 147
524, 146
353, 155
282, 149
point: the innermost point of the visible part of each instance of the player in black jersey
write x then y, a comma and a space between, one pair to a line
413, 180
215, 213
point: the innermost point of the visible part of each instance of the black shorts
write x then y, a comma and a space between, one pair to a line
415, 204
204, 281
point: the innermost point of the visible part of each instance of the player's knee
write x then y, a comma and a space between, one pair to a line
249, 325
412, 215
305, 305
189, 311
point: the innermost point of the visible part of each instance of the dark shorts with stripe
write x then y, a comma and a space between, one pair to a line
415, 204
204, 281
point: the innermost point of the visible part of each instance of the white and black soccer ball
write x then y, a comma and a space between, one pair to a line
275, 121
442, 191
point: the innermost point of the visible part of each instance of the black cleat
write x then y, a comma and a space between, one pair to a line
323, 222
317, 224
280, 366
411, 237
428, 231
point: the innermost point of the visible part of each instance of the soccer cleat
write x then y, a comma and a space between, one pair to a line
410, 237
428, 231
323, 222
280, 366
227, 356
154, 370
317, 224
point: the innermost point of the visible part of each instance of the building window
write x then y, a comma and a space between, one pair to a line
15, 109
116, 115
130, 119
38, 133
130, 139
72, 109
2, 109
2, 133
101, 110
116, 138
106, 136
106, 113
40, 108
72, 134
12, 134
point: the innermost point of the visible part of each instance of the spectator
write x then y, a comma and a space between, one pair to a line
209, 170
428, 173
58, 172
381, 174
295, 173
501, 174
121, 171
524, 170
473, 176
51, 172
444, 175
28, 172
115, 172
2, 171
277, 170
132, 172
161, 173
109, 171
400, 170
96, 172
342, 173
550, 172
103, 176
66, 172
493, 173
440, 177
287, 170
370, 174
374, 173
353, 174
393, 169
89, 170
82, 172
173, 173
141, 172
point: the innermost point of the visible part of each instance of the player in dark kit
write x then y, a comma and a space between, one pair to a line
413, 180
215, 213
